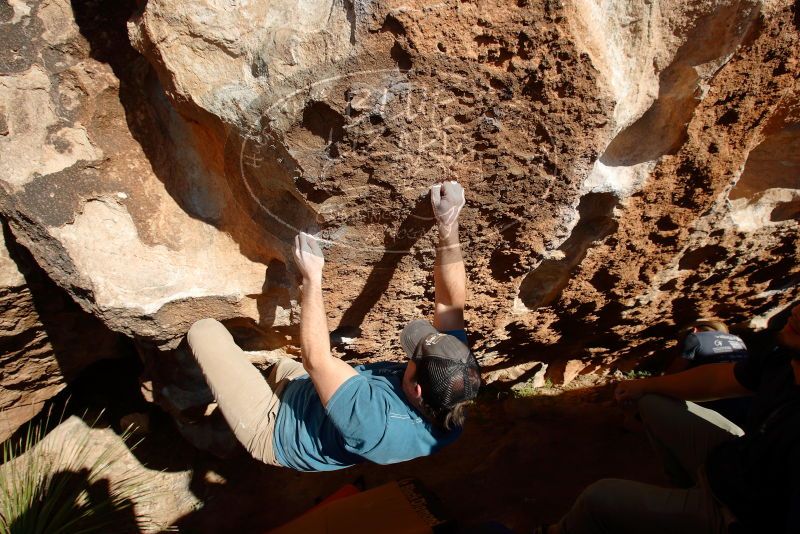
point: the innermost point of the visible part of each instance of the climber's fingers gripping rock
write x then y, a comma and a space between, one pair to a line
447, 199
308, 256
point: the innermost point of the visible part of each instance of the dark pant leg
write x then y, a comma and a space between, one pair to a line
613, 506
683, 433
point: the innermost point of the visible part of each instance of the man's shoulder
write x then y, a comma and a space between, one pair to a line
381, 369
373, 381
373, 400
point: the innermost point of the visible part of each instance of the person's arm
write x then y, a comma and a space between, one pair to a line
326, 372
704, 383
449, 274
677, 365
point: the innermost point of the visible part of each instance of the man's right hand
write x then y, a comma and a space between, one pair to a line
326, 372
630, 390
308, 257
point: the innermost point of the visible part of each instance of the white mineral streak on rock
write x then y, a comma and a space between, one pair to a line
756, 213
10, 275
769, 183
621, 181
623, 39
127, 273
30, 149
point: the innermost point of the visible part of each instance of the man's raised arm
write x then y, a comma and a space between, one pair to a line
449, 275
326, 372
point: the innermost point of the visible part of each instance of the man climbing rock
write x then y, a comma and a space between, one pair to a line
324, 414
735, 481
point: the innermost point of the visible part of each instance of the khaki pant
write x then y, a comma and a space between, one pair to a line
247, 400
682, 433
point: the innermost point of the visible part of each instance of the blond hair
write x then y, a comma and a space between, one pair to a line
704, 325
710, 325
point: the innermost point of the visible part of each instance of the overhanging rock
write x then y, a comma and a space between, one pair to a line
601, 145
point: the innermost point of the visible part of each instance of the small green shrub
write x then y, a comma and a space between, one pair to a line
633, 374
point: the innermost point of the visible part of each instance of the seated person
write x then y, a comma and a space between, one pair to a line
709, 341
743, 480
324, 414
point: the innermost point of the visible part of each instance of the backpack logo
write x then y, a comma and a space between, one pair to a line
432, 340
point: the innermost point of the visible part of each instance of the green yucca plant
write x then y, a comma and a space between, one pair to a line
55, 487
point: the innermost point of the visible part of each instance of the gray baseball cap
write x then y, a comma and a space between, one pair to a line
447, 370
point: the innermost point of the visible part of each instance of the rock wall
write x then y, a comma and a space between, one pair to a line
30, 373
103, 219
45, 338
629, 166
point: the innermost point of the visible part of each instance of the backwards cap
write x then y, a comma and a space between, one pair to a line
447, 371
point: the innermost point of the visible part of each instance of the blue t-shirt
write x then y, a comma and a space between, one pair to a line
368, 418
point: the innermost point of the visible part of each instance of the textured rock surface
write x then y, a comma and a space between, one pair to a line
45, 339
696, 238
601, 143
104, 218
629, 166
30, 372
